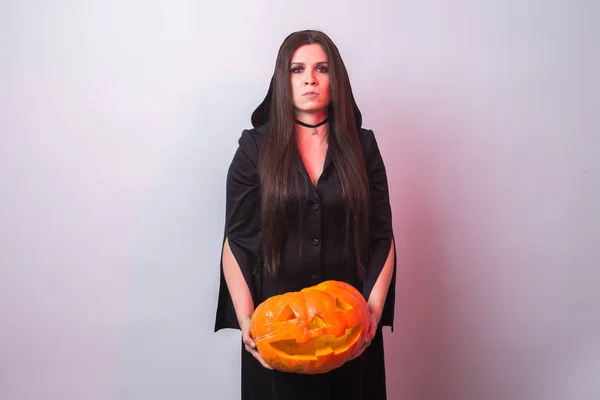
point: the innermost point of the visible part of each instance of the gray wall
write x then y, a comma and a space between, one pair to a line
118, 120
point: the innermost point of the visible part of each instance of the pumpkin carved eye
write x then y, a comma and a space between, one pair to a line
286, 315
341, 305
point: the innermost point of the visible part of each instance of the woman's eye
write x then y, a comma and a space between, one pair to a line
322, 69
296, 70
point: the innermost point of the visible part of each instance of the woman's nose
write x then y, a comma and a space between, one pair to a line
310, 79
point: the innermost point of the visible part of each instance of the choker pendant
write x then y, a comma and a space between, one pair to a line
314, 127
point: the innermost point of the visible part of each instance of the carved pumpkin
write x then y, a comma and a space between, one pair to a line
312, 331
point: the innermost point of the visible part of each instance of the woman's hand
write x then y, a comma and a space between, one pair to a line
373, 322
374, 318
249, 343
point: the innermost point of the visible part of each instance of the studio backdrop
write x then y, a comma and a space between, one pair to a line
118, 121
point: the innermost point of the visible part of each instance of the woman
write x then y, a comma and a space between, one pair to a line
307, 201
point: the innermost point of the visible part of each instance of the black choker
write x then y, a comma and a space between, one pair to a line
314, 131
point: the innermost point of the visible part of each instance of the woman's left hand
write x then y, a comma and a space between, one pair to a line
374, 318
371, 331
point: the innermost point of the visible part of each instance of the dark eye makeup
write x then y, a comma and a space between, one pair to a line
296, 69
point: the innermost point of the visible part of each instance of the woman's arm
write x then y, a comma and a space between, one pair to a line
241, 299
379, 283
238, 288
378, 294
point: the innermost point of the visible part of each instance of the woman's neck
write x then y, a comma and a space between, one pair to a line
311, 118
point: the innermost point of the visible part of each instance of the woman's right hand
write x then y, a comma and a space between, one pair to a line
249, 343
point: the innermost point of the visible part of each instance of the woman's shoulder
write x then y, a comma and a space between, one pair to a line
365, 133
253, 137
367, 139
251, 140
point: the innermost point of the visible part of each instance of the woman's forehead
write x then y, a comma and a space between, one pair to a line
309, 53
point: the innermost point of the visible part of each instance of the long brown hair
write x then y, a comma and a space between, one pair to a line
278, 157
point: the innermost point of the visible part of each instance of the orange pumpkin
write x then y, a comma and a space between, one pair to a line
312, 331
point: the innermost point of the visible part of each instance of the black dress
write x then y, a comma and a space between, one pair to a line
321, 239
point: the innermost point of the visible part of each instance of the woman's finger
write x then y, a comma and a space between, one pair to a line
359, 353
247, 338
257, 355
249, 342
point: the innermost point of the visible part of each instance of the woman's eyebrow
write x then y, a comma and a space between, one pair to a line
302, 63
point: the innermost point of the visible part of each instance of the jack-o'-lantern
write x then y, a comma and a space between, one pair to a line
312, 331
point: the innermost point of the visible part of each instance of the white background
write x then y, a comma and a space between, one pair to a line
118, 120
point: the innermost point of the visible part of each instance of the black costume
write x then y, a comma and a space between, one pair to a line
322, 219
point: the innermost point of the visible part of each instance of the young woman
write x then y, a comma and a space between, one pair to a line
307, 201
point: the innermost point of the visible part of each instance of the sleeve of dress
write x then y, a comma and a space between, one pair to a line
242, 226
381, 228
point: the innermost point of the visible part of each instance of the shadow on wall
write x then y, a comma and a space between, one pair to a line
488, 304
421, 352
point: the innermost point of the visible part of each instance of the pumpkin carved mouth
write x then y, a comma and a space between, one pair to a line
312, 331
318, 346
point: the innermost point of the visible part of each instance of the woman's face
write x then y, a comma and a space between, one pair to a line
309, 76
